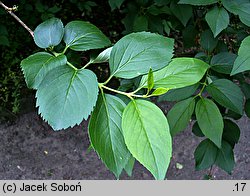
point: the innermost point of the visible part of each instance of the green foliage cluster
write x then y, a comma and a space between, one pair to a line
12, 85
211, 87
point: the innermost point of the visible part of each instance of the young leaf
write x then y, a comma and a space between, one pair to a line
147, 136
182, 12
129, 166
66, 96
231, 132
179, 94
36, 67
205, 154
103, 57
82, 36
106, 133
228, 94
242, 62
208, 42
150, 80
196, 130
159, 91
247, 108
198, 2
225, 157
223, 62
217, 19
49, 33
179, 116
180, 72
136, 53
210, 120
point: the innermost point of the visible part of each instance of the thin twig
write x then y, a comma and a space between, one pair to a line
10, 11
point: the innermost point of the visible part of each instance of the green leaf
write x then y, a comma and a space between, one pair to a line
162, 2
210, 120
234, 6
66, 96
147, 136
179, 94
106, 133
227, 93
247, 108
180, 72
49, 33
150, 80
82, 36
140, 24
217, 19
54, 9
182, 12
196, 130
130, 165
136, 53
244, 13
205, 154
231, 132
115, 3
103, 57
245, 87
239, 7
223, 62
157, 10
208, 42
180, 114
36, 67
242, 62
202, 56
225, 157
159, 91
166, 26
198, 2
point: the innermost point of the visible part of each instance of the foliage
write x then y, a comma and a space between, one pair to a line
12, 84
207, 76
66, 95
217, 33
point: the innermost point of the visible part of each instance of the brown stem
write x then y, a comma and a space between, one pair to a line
10, 11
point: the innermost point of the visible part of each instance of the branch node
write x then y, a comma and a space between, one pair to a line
11, 12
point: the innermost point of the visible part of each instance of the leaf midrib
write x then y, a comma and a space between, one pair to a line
43, 65
225, 95
130, 59
68, 90
140, 119
79, 37
109, 129
186, 109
